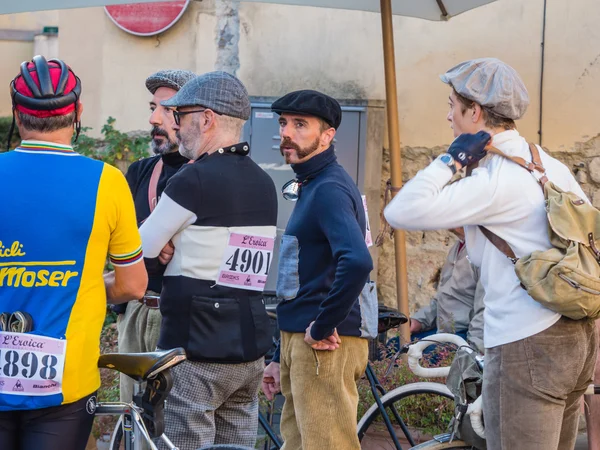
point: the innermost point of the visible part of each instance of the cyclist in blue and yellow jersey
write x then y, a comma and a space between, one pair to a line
62, 215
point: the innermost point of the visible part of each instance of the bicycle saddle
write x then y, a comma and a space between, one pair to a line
141, 366
389, 318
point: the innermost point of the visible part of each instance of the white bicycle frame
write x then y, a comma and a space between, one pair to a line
135, 433
415, 353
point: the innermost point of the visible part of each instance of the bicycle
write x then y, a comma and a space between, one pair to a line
142, 420
429, 394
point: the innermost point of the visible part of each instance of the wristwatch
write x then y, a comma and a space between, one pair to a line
448, 160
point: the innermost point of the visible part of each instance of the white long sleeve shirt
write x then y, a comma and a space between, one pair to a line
505, 198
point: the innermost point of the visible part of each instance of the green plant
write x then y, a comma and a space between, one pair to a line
5, 124
109, 379
114, 147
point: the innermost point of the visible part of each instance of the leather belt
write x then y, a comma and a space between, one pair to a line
151, 301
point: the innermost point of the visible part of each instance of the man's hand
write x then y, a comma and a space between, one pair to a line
329, 343
468, 149
166, 254
271, 380
415, 326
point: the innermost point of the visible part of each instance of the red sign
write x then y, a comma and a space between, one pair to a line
146, 19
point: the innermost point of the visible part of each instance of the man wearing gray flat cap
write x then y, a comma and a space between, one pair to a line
537, 363
139, 325
220, 213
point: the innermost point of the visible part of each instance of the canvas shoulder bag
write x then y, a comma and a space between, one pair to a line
565, 278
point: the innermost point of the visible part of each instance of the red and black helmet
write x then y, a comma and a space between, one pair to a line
45, 89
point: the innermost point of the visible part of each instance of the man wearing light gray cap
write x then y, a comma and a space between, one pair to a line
537, 363
220, 213
139, 325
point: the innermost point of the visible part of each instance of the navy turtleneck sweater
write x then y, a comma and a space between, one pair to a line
324, 261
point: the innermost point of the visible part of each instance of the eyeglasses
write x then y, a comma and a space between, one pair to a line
291, 190
177, 114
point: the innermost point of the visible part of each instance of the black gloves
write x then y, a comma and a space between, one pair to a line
467, 149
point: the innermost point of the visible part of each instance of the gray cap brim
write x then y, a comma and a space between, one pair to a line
219, 91
172, 79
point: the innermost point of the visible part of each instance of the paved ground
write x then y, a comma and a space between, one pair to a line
581, 442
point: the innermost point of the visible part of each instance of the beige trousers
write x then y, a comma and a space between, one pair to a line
321, 397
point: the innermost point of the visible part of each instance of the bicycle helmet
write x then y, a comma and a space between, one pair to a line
45, 89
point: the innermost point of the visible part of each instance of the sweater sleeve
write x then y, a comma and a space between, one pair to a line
428, 202
427, 315
337, 214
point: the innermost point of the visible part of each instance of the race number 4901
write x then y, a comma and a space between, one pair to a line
246, 261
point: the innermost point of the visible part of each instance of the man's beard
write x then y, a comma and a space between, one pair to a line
300, 152
162, 146
192, 142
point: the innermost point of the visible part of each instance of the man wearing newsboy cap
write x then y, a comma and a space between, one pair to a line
324, 265
139, 325
220, 213
537, 363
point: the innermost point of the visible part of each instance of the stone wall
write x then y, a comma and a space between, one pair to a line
426, 251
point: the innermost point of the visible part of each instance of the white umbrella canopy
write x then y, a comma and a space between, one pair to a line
424, 9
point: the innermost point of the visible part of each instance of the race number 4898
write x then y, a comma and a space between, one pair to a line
28, 365
31, 364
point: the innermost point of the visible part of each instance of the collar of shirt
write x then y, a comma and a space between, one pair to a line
174, 159
45, 146
315, 164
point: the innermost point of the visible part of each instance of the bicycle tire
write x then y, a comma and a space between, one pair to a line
435, 445
117, 436
395, 396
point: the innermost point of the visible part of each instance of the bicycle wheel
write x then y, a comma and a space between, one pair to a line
435, 445
425, 410
117, 436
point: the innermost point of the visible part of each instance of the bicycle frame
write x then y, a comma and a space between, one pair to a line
134, 428
265, 423
378, 391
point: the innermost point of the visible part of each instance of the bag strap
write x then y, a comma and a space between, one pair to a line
153, 185
500, 244
534, 166
384, 226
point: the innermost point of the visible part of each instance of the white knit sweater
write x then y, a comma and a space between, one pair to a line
505, 198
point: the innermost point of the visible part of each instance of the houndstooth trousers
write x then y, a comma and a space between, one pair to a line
213, 404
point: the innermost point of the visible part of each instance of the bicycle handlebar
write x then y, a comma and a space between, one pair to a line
415, 353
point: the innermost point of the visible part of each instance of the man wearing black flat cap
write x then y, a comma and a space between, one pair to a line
324, 265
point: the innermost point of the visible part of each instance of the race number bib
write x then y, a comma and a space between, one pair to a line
31, 364
246, 262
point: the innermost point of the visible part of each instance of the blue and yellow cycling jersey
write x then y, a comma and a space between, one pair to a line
62, 214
